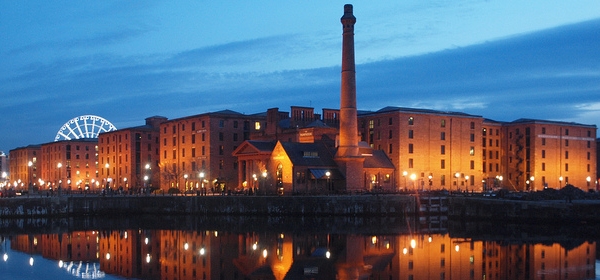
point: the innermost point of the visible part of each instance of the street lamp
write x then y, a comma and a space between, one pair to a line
59, 165
413, 177
146, 177
456, 175
30, 188
107, 166
328, 183
185, 176
560, 179
404, 174
588, 179
531, 179
264, 175
202, 183
430, 181
467, 182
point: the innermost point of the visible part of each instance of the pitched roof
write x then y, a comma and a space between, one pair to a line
378, 160
308, 154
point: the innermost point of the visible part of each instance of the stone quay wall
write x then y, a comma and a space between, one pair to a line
364, 205
542, 211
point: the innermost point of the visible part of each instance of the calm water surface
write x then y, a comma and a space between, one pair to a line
224, 247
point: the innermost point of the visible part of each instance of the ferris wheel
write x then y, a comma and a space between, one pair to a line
86, 126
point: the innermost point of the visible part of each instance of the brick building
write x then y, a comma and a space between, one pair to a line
196, 151
22, 172
552, 154
430, 149
69, 164
129, 158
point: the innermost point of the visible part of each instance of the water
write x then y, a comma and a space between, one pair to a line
226, 247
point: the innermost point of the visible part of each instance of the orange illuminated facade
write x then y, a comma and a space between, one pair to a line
541, 154
68, 165
128, 159
196, 151
431, 150
24, 167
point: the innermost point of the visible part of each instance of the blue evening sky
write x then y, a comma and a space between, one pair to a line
128, 60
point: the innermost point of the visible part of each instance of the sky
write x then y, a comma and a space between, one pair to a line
128, 60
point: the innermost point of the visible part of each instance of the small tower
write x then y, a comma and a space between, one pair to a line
349, 160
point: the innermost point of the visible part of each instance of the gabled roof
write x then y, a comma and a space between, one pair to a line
254, 147
308, 154
378, 160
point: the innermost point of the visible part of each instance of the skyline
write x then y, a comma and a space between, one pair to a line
126, 61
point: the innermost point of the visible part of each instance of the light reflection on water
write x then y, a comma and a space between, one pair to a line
407, 251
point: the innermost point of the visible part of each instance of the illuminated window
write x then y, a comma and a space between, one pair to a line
443, 124
411, 121
257, 125
472, 151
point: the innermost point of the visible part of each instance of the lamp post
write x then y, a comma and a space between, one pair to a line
30, 188
328, 183
202, 183
531, 179
413, 177
146, 177
107, 170
560, 179
430, 181
264, 175
467, 183
404, 174
59, 166
588, 179
185, 176
254, 181
456, 175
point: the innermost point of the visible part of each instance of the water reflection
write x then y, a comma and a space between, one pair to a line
279, 254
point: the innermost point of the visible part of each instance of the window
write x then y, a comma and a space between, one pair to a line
543, 130
472, 137
410, 148
410, 134
411, 121
543, 141
566, 167
235, 137
443, 135
174, 129
257, 125
567, 131
472, 151
221, 123
443, 164
472, 125
443, 149
193, 126
183, 139
443, 123
193, 138
410, 163
221, 150
390, 149
390, 123
221, 136
235, 124
566, 154
543, 166
472, 164
566, 142
183, 127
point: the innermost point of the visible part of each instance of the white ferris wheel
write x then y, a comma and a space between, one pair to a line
86, 126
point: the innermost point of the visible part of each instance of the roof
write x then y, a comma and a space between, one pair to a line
308, 154
417, 111
378, 160
524, 121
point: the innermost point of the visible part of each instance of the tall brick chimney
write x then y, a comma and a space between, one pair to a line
348, 158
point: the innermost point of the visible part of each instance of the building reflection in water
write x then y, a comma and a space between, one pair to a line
181, 254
